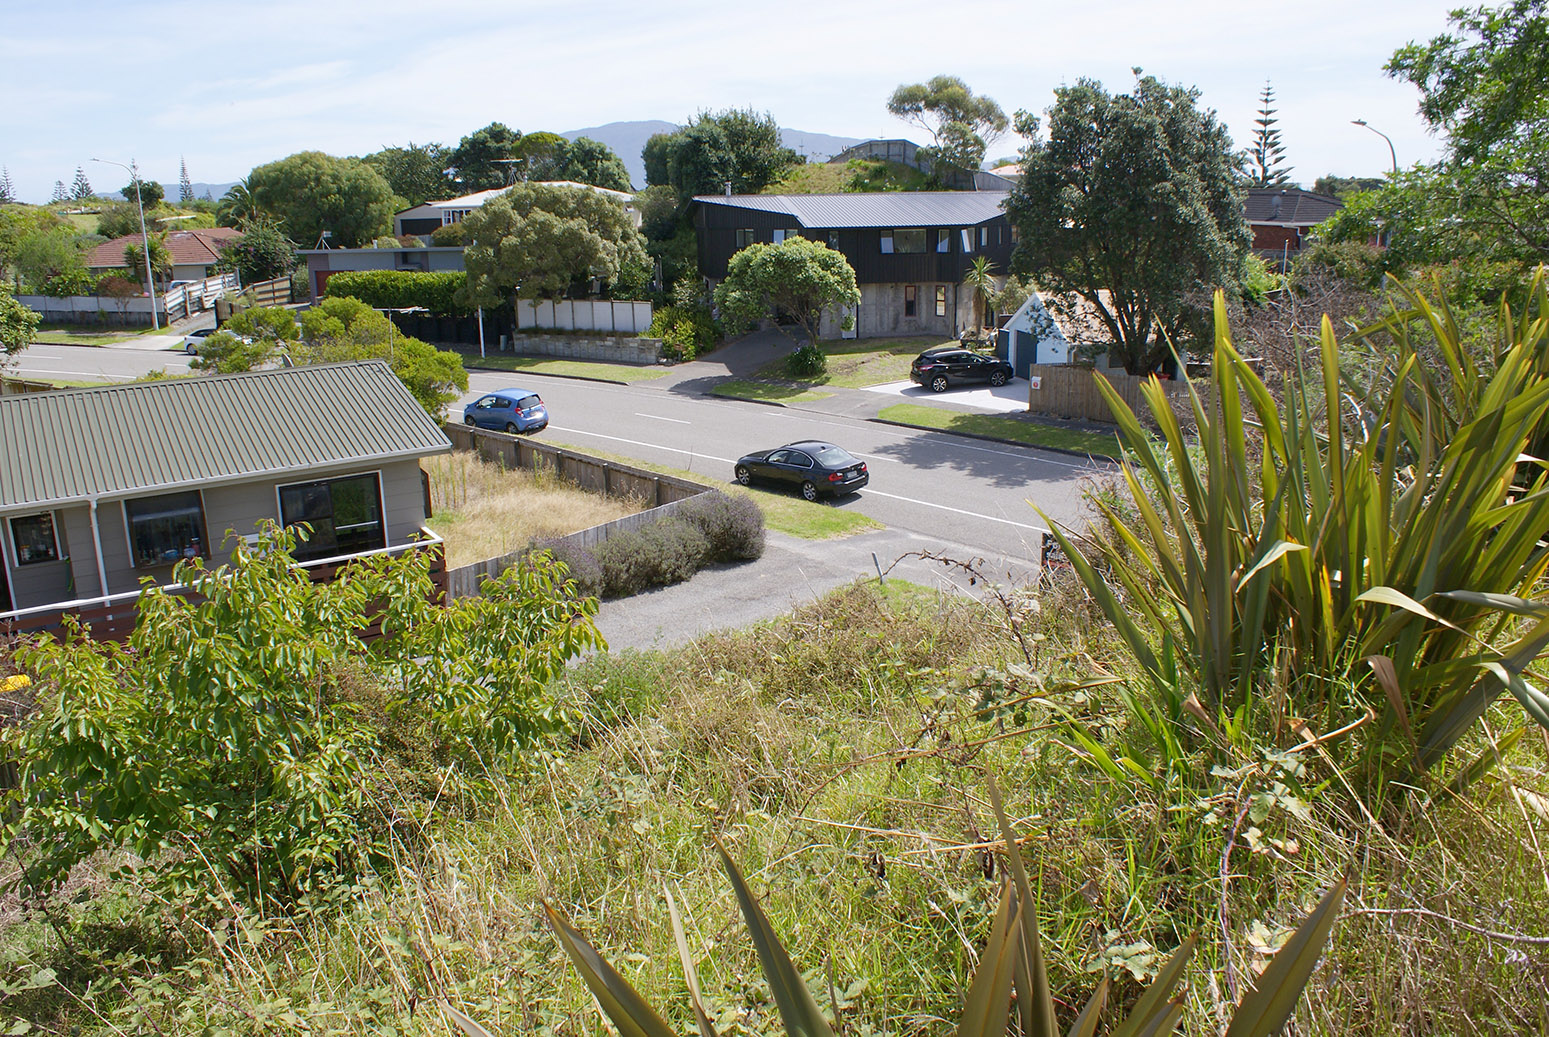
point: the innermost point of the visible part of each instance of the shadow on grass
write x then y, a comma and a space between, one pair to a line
1011, 429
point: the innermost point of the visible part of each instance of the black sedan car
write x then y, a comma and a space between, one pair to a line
945, 366
818, 468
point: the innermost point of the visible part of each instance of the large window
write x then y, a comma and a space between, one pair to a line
32, 537
166, 529
786, 235
345, 515
967, 236
904, 240
746, 236
943, 240
941, 300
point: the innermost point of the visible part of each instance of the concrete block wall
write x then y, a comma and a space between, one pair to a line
617, 349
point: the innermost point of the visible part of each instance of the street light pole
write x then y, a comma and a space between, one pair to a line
1391, 153
145, 243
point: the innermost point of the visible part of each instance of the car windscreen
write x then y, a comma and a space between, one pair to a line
528, 402
833, 457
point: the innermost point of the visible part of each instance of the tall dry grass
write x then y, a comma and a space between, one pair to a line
484, 510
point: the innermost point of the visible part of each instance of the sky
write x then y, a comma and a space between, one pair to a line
228, 86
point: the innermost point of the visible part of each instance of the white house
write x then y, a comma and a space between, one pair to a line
423, 220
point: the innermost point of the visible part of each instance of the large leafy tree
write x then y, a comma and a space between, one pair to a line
262, 253
589, 161
1485, 86
46, 251
478, 160
17, 326
151, 193
311, 192
417, 172
799, 277
961, 123
537, 240
736, 146
1133, 203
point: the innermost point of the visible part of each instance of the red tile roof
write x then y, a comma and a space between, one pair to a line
202, 246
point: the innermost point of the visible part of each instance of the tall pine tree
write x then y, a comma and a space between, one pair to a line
1268, 154
185, 189
82, 187
61, 193
7, 192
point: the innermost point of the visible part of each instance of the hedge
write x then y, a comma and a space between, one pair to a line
440, 293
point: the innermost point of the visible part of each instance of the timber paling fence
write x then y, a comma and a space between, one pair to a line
666, 492
1070, 391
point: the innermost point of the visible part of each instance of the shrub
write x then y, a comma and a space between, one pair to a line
685, 330
386, 241
806, 362
73, 282
440, 293
734, 526
668, 551
451, 234
412, 241
581, 566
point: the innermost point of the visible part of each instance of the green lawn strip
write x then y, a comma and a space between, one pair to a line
857, 363
767, 392
86, 335
995, 426
783, 512
622, 374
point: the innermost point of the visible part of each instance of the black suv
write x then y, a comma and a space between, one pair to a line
938, 369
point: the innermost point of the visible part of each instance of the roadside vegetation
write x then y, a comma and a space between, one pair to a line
997, 426
620, 374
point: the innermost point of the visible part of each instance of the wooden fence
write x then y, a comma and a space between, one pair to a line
270, 293
666, 492
1070, 391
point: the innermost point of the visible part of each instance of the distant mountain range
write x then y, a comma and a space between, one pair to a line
628, 138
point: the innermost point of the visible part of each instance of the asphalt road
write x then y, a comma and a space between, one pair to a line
931, 485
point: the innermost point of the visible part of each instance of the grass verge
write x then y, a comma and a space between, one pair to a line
767, 392
995, 426
785, 513
87, 334
857, 363
622, 374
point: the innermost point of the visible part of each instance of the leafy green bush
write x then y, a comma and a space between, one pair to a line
73, 282
807, 362
451, 234
667, 551
734, 526
686, 331
441, 293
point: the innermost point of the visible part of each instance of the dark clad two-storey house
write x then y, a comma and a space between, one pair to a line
101, 488
910, 249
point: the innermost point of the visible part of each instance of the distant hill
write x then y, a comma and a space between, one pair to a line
627, 138
171, 191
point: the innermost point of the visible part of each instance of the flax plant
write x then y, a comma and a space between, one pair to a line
1381, 541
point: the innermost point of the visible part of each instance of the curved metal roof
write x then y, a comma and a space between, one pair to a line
873, 208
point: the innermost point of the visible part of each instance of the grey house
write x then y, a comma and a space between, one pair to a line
101, 488
910, 249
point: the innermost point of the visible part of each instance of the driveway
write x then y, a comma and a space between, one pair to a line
1008, 398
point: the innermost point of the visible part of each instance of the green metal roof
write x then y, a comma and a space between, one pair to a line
113, 441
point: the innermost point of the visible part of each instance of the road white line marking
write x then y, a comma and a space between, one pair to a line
636, 442
956, 511
658, 417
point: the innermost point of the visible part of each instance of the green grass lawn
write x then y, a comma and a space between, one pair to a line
783, 512
623, 374
87, 334
767, 392
996, 426
857, 363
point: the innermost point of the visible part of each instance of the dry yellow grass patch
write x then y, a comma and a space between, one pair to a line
483, 510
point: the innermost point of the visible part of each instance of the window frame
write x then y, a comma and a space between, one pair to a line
742, 237
941, 300
301, 554
911, 299
53, 532
893, 238
129, 530
943, 240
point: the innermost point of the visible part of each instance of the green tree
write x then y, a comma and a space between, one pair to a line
311, 192
340, 329
1133, 203
1268, 154
185, 187
980, 280
655, 155
417, 172
476, 161
121, 219
1486, 88
48, 251
537, 240
236, 206
151, 193
1342, 187
589, 161
798, 277
961, 124
161, 260
736, 146
17, 326
262, 253
81, 189
7, 192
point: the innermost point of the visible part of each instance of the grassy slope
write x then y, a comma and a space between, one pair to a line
997, 426
801, 745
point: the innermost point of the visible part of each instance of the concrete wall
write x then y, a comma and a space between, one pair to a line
882, 315
617, 349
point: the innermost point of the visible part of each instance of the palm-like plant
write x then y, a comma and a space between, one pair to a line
980, 280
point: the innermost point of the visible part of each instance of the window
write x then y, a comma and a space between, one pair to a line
32, 537
746, 236
786, 234
450, 216
345, 515
941, 300
967, 237
911, 241
943, 240
1015, 237
833, 239
909, 297
165, 529
984, 236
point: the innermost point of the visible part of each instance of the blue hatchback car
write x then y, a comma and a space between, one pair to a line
508, 410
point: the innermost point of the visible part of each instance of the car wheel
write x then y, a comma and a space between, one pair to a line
511, 428
744, 476
468, 420
809, 490
938, 383
191, 349
998, 379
